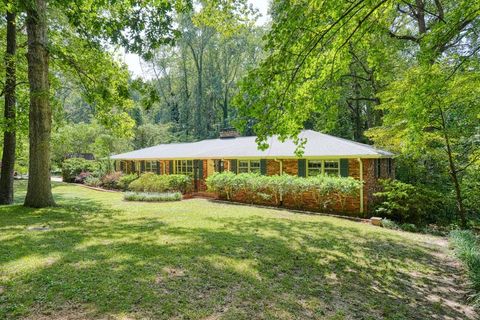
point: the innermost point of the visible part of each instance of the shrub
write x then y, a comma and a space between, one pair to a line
125, 181
255, 187
389, 224
467, 249
111, 180
93, 181
407, 203
150, 182
72, 167
152, 197
81, 177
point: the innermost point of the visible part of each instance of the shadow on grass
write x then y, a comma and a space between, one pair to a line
111, 264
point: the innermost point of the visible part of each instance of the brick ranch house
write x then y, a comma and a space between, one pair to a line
323, 155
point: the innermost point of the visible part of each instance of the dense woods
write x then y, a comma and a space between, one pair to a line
403, 75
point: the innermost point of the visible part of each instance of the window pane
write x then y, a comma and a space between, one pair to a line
332, 168
153, 166
255, 166
314, 168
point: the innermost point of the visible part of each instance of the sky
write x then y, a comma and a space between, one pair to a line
134, 62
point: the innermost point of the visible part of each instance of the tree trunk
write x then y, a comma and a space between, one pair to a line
454, 174
39, 192
9, 138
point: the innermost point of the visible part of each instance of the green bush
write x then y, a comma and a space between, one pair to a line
150, 182
389, 224
407, 203
93, 181
111, 180
152, 197
125, 180
72, 167
467, 249
325, 189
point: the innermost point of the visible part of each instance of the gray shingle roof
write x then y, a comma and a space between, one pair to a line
318, 145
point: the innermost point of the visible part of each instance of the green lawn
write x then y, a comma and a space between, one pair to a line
109, 259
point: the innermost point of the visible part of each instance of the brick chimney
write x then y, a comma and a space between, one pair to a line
228, 133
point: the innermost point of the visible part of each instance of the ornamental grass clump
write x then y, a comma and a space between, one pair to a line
467, 248
152, 197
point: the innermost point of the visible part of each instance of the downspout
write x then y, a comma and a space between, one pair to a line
281, 165
361, 181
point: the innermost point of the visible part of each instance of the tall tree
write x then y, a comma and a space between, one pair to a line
39, 193
9, 136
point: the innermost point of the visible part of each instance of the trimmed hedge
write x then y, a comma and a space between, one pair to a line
258, 188
150, 182
152, 197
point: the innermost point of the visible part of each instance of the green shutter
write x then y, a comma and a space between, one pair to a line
200, 169
344, 167
302, 167
263, 166
122, 166
233, 166
170, 166
158, 167
142, 166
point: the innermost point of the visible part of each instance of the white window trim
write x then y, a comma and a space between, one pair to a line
322, 173
175, 164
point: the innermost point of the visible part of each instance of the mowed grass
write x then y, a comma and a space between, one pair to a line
104, 258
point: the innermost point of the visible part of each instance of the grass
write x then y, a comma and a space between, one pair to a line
101, 257
152, 196
467, 249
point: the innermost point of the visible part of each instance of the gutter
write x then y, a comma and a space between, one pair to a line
361, 180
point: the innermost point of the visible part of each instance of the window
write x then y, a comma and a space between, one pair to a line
314, 168
219, 165
151, 166
245, 166
332, 168
390, 167
138, 166
323, 167
184, 167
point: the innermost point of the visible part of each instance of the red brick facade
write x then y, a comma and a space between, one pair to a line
373, 169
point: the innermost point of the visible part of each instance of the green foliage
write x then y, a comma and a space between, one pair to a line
93, 181
125, 180
112, 180
152, 197
390, 224
467, 249
72, 167
150, 182
404, 202
325, 189
86, 138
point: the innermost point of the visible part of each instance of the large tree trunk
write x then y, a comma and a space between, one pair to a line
9, 139
39, 192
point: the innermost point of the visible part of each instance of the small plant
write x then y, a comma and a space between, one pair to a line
81, 177
93, 181
390, 224
152, 197
111, 180
410, 227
